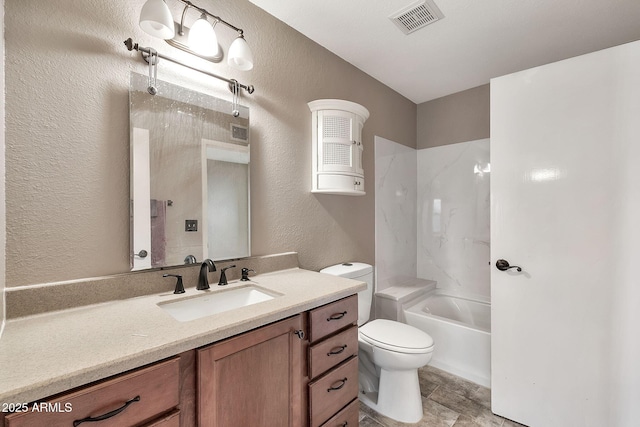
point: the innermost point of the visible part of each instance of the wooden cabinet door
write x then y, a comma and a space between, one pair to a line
254, 379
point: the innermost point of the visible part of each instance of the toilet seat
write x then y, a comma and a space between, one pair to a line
396, 336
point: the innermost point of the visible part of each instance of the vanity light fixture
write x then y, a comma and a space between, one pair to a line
203, 39
156, 19
200, 39
240, 55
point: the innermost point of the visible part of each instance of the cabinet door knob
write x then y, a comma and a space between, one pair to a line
299, 333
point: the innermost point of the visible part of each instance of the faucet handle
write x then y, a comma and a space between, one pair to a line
245, 274
223, 275
179, 285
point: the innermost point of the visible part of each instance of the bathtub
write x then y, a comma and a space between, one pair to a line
461, 329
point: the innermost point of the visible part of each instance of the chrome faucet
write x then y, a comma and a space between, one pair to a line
203, 279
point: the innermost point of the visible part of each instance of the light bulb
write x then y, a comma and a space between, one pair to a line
156, 19
240, 55
202, 38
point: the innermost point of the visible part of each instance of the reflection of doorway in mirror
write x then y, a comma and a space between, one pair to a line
226, 200
140, 195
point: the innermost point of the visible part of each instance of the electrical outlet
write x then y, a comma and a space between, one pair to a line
190, 225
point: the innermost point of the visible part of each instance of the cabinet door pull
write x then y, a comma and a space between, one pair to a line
345, 424
338, 387
336, 316
337, 350
102, 417
299, 333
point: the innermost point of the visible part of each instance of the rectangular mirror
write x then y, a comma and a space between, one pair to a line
189, 177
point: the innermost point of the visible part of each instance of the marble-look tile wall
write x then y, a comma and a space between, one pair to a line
453, 217
395, 216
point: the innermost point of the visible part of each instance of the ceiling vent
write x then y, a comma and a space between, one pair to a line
417, 15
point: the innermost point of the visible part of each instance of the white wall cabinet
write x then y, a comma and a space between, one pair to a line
337, 146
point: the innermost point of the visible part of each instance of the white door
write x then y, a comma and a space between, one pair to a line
565, 191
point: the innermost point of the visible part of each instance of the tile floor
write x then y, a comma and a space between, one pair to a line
447, 401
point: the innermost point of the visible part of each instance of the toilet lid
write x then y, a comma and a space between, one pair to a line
396, 336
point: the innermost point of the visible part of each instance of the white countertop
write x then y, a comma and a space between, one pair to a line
46, 354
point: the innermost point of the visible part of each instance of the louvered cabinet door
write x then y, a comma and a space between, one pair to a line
336, 141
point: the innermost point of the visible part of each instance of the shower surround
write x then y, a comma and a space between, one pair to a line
453, 217
432, 215
395, 222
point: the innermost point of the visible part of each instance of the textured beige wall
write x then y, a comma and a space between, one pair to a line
67, 136
460, 117
2, 178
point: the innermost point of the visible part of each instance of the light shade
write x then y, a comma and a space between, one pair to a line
202, 38
156, 19
240, 55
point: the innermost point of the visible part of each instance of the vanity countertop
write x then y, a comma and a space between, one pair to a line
46, 354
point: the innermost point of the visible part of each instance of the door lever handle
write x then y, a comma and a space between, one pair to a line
503, 265
141, 254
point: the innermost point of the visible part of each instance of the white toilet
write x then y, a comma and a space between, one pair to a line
390, 354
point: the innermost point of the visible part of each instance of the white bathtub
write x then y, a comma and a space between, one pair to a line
461, 330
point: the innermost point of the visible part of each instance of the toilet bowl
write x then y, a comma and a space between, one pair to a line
390, 354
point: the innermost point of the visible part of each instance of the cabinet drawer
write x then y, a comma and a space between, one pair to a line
333, 391
332, 351
332, 317
340, 182
169, 420
348, 417
154, 388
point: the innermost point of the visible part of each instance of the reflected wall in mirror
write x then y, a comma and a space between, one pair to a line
189, 177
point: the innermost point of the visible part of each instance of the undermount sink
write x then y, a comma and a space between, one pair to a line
215, 302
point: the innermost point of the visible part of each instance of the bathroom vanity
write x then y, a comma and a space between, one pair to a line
132, 361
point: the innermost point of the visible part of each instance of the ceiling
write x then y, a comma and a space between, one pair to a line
474, 42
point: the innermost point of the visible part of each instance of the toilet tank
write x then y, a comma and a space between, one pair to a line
357, 271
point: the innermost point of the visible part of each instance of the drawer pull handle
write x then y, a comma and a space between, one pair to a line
345, 424
336, 316
113, 413
339, 350
338, 387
